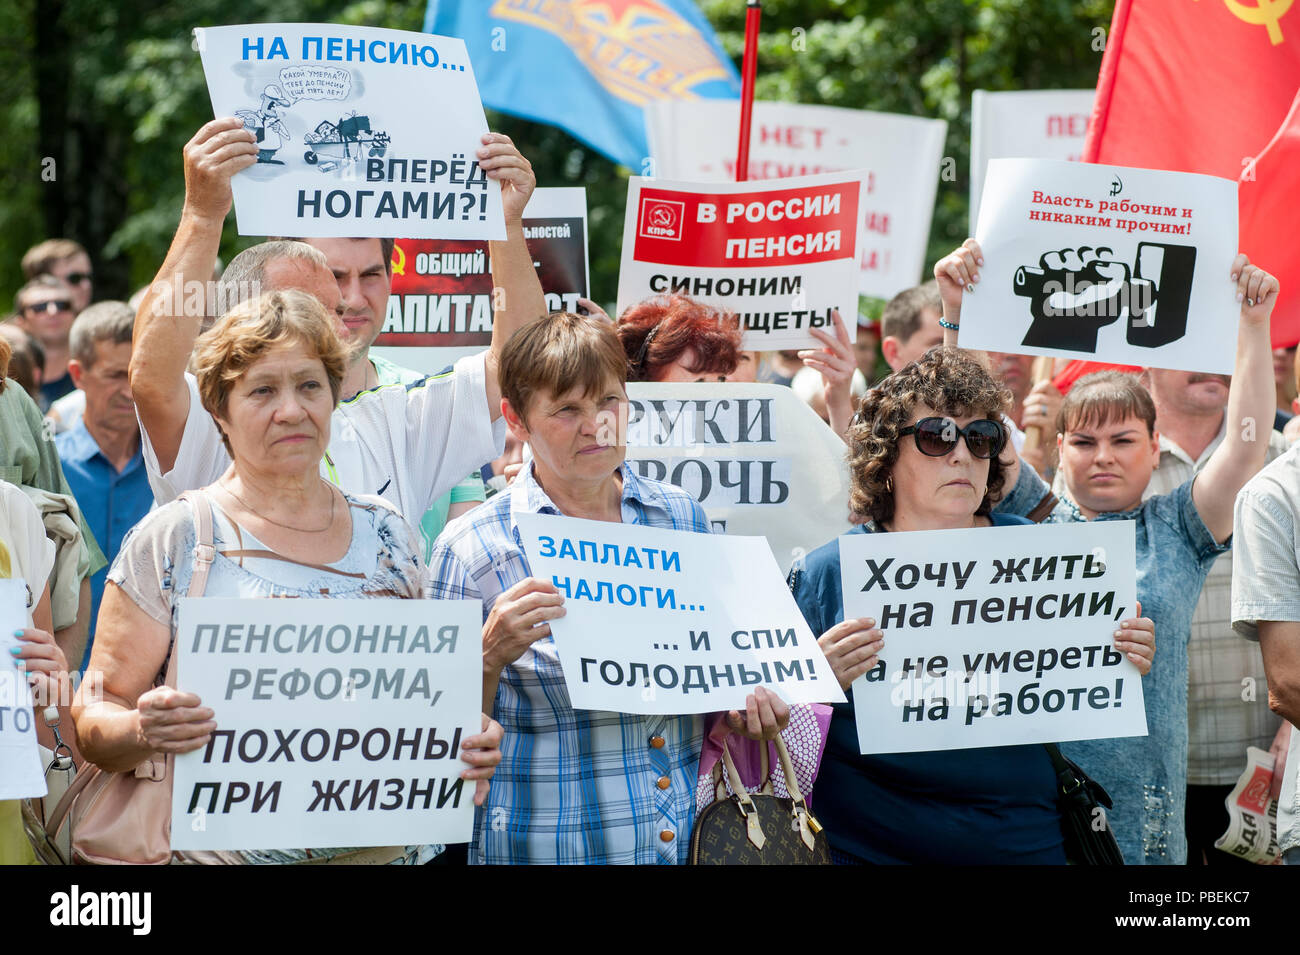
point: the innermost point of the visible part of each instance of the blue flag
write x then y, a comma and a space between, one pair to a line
588, 66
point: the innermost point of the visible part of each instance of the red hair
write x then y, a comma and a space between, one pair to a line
657, 331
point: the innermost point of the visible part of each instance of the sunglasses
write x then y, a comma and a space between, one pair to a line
76, 278
936, 437
55, 305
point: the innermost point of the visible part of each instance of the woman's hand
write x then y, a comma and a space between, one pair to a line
956, 273
765, 716
837, 365
483, 752
46, 666
852, 648
172, 721
1136, 639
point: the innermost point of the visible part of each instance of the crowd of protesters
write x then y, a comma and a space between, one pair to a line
262, 419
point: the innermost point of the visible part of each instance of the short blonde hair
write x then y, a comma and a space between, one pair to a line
225, 352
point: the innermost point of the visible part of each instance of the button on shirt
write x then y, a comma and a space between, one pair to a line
574, 786
112, 502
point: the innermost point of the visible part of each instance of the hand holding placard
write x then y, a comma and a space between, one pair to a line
502, 162
852, 647
217, 151
174, 722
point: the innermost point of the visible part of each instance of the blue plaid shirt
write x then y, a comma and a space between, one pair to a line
574, 786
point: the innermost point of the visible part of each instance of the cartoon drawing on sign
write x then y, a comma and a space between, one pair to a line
266, 124
1073, 294
336, 142
350, 131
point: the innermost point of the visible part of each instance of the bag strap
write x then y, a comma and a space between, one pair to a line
88, 773
205, 550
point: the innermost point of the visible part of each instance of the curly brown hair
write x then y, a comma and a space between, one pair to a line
945, 379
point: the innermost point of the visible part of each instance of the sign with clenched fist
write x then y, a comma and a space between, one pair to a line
1106, 263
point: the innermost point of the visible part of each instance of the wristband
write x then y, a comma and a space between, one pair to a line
944, 324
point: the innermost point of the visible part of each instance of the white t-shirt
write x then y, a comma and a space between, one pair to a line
408, 444
30, 552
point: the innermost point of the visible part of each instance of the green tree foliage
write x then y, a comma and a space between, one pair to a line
111, 92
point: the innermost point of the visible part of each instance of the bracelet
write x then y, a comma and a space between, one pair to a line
943, 324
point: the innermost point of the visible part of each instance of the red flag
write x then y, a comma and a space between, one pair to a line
1194, 85
1076, 369
1268, 196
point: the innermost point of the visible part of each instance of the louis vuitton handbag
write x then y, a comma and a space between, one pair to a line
760, 828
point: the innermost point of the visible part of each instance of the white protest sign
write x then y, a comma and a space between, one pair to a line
672, 622
20, 762
695, 140
1106, 263
339, 722
780, 254
759, 459
1007, 639
360, 131
1025, 124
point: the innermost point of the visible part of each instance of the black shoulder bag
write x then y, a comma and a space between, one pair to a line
1082, 803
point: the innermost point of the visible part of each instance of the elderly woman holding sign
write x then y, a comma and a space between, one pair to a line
575, 786
924, 452
269, 373
1109, 448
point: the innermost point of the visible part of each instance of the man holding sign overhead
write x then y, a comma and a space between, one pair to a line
576, 786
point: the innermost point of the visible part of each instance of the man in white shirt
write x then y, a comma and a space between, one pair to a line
408, 443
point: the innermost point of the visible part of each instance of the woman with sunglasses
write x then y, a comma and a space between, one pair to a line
1109, 448
923, 451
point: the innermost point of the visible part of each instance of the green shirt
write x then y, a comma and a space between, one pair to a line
28, 456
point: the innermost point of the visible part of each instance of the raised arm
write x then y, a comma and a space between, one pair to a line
165, 329
956, 273
1251, 401
517, 298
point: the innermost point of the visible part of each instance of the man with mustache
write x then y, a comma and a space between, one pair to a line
1222, 717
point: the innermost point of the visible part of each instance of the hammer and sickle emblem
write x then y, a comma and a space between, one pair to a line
399, 260
661, 216
1265, 12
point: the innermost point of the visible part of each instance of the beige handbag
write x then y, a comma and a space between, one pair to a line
125, 818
